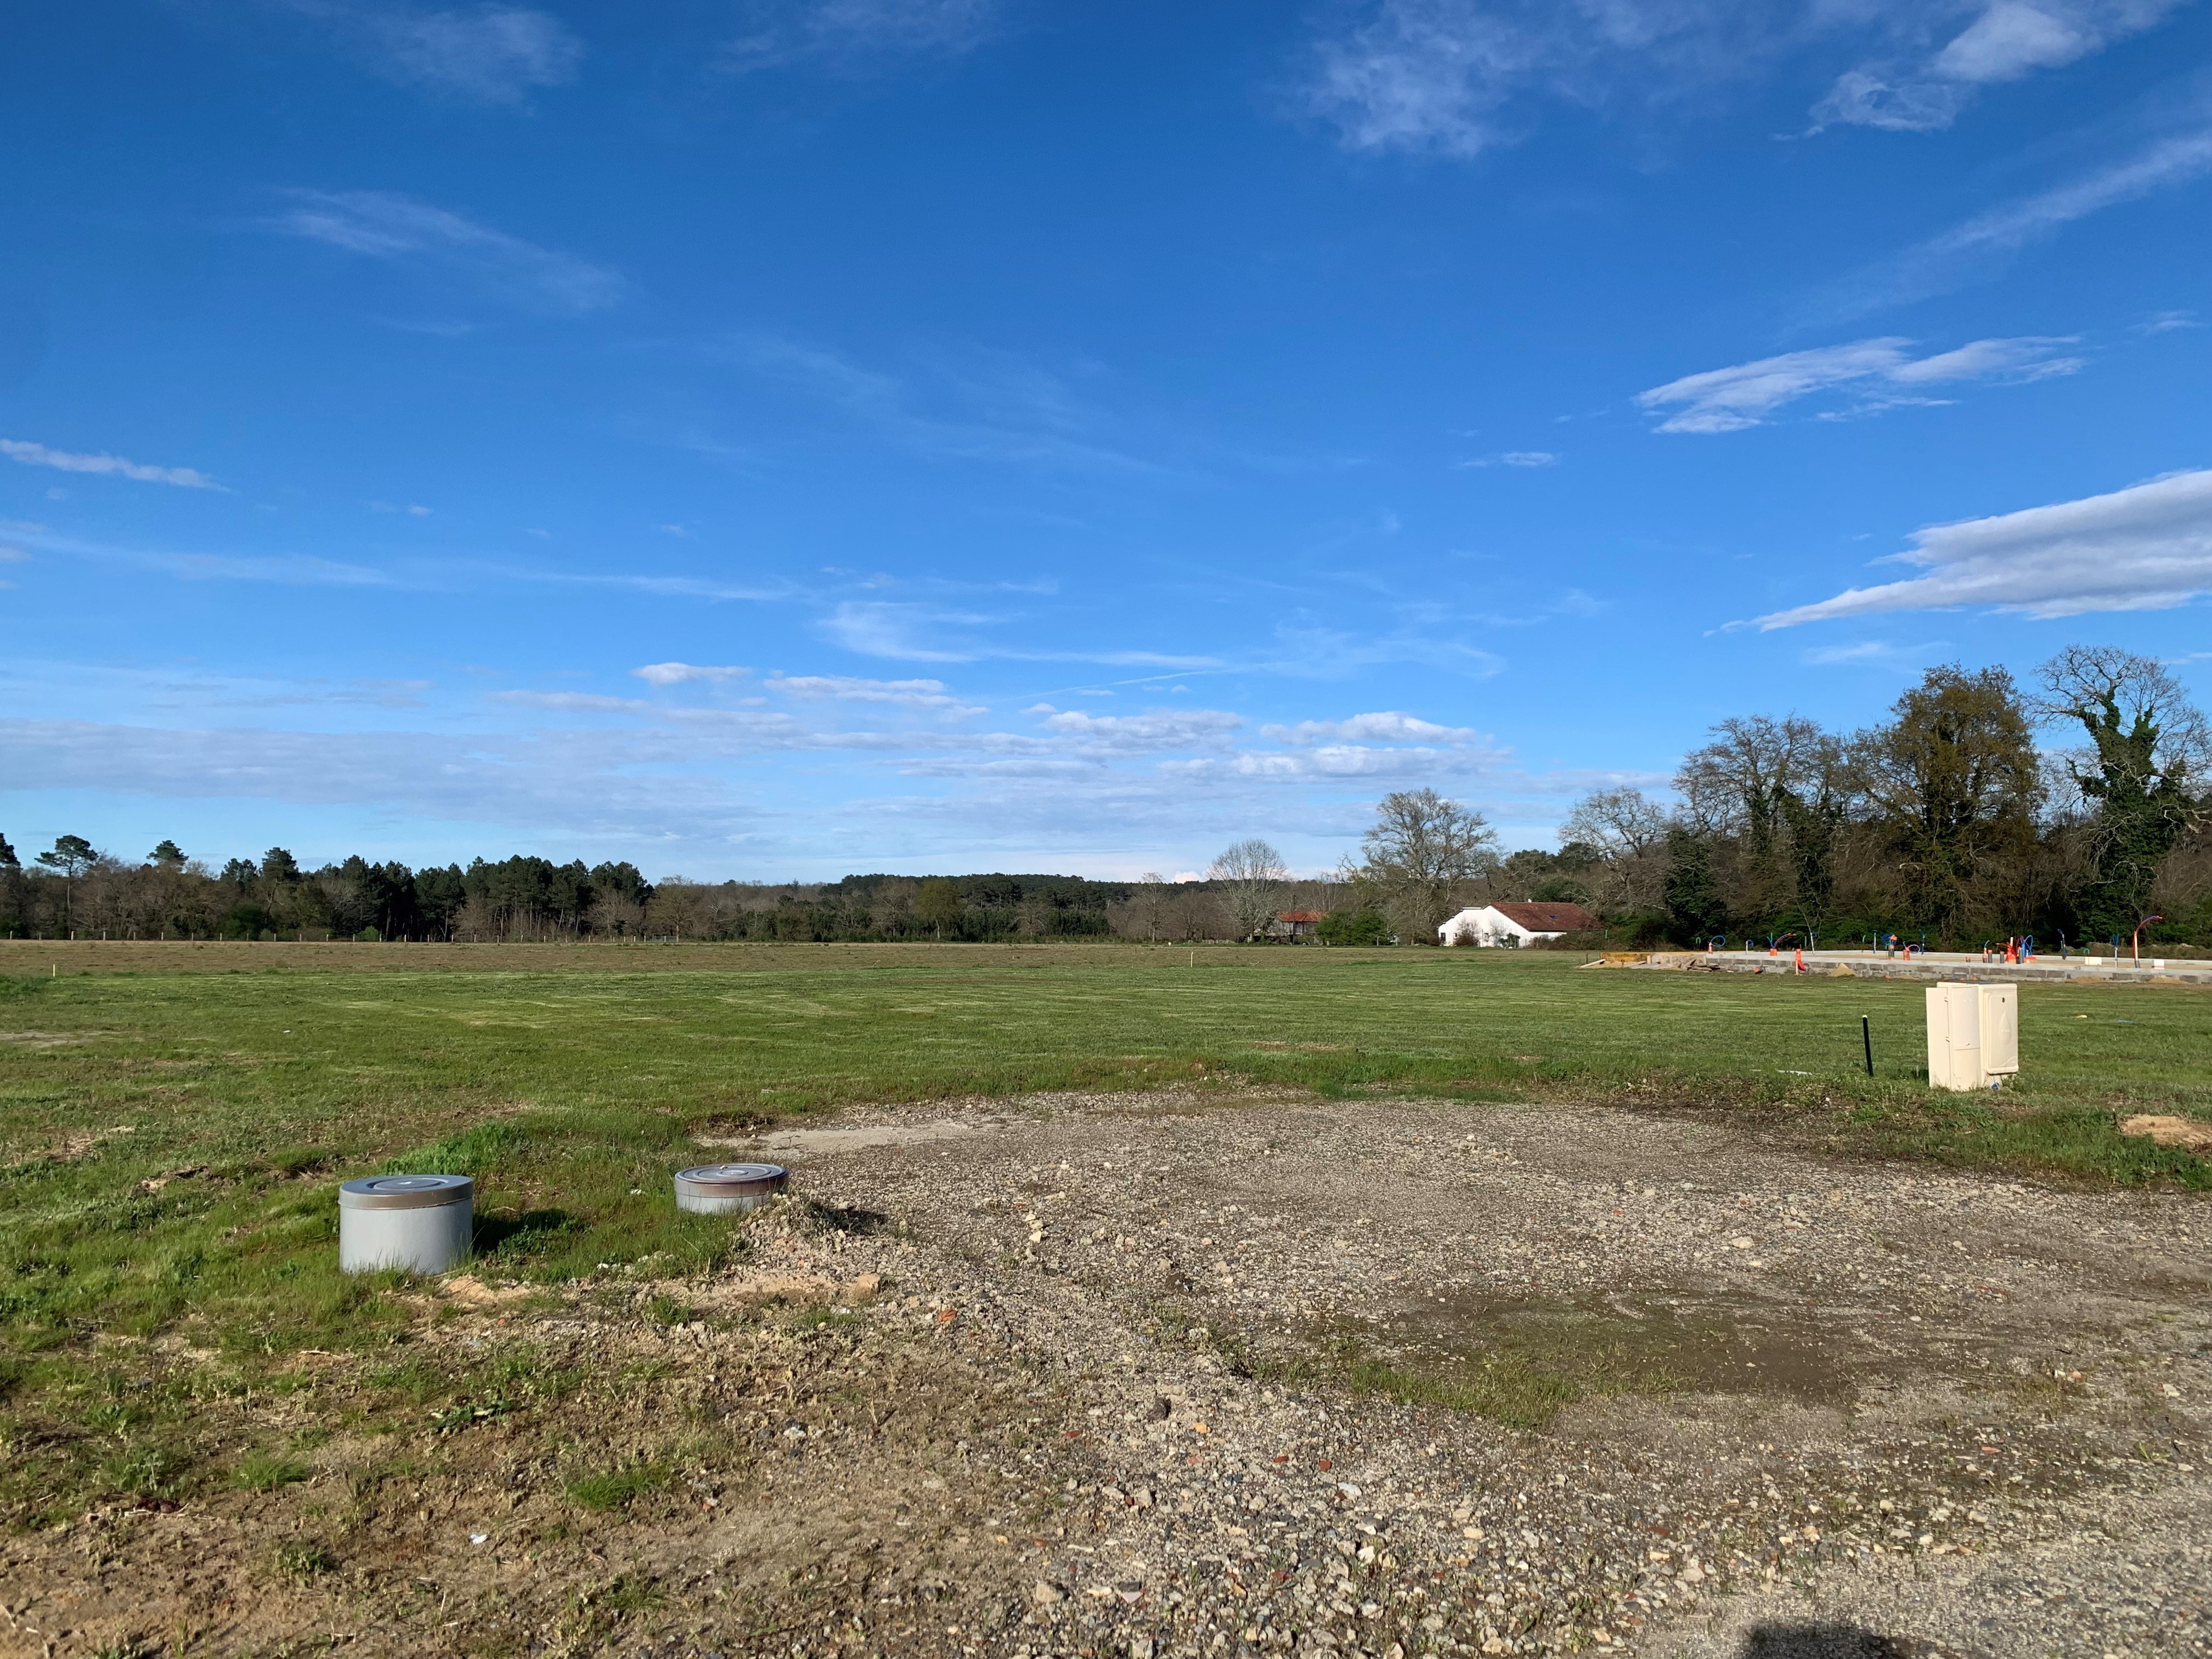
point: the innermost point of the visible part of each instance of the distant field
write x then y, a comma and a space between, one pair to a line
41, 957
174, 1118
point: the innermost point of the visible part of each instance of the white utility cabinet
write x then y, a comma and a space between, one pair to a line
1973, 1034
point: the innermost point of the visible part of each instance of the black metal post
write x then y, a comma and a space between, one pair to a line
1866, 1036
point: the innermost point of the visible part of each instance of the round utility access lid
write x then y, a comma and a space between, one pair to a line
735, 1177
406, 1192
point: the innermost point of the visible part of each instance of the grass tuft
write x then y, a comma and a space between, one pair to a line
302, 1562
141, 1472
1506, 1388
617, 1488
260, 1471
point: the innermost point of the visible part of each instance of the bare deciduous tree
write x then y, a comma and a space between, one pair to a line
1421, 848
1617, 823
1150, 903
1252, 874
1733, 785
1625, 832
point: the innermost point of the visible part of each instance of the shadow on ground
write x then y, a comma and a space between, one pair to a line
1818, 1642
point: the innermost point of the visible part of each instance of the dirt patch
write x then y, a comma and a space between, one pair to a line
800, 1143
73, 1145
467, 1291
2183, 1131
1160, 1375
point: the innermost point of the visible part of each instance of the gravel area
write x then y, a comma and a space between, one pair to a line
1191, 1373
1791, 1370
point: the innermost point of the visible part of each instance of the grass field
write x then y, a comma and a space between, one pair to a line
174, 1119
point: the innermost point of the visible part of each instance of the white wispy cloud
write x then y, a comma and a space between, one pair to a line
913, 632
2008, 40
1981, 246
681, 673
1866, 651
1527, 458
496, 54
658, 782
1343, 763
845, 688
1154, 729
113, 467
286, 569
1457, 77
972, 405
578, 784
384, 225
2144, 548
1881, 374
1438, 75
664, 587
1307, 650
851, 32
575, 702
1388, 727
416, 575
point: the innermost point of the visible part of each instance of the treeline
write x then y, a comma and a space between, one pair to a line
977, 909
1945, 822
76, 891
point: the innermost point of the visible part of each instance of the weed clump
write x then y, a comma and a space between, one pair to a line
303, 1562
616, 1488
265, 1472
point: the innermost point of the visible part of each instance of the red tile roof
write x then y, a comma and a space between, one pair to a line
1299, 915
1550, 918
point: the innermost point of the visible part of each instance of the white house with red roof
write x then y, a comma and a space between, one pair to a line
1511, 925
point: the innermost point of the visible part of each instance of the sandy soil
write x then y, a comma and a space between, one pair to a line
1162, 1375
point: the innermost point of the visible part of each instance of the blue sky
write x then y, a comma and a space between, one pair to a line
772, 441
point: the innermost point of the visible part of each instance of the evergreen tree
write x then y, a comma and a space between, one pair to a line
72, 855
1695, 909
2144, 776
11, 886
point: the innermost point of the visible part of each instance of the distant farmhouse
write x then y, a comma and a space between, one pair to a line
1294, 924
1513, 925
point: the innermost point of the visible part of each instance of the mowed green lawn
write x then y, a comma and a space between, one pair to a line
562, 1091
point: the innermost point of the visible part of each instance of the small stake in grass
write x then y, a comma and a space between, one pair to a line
1866, 1036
